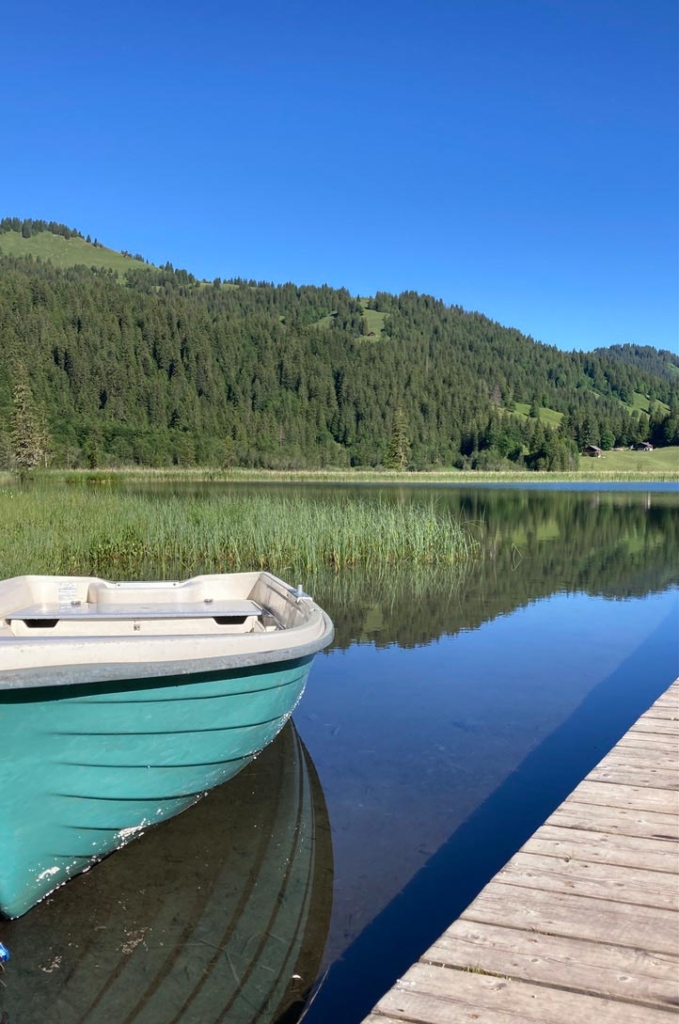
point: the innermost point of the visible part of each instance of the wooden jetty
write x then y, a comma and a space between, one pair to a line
582, 924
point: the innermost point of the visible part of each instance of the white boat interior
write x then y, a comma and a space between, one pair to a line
61, 620
82, 607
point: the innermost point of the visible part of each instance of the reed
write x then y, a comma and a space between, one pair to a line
78, 530
661, 466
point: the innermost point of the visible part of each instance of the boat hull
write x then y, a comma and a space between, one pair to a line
221, 914
86, 768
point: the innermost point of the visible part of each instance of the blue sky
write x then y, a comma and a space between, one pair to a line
516, 157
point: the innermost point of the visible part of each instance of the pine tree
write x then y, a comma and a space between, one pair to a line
29, 430
398, 453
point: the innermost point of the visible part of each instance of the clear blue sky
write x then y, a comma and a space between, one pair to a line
517, 157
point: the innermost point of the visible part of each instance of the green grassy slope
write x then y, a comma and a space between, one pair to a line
661, 460
549, 416
66, 252
374, 321
643, 403
552, 418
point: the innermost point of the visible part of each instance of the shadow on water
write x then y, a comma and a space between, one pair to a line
476, 851
219, 915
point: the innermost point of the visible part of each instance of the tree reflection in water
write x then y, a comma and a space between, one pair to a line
533, 544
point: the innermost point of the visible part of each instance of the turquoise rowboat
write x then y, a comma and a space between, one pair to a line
121, 704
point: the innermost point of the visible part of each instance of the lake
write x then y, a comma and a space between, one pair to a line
452, 714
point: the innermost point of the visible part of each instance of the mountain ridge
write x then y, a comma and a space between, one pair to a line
125, 362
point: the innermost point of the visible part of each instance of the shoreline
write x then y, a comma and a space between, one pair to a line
462, 478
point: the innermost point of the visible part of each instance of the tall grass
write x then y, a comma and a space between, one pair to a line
77, 530
662, 465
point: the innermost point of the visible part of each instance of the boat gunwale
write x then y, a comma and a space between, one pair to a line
90, 673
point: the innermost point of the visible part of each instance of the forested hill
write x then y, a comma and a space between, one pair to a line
151, 366
659, 362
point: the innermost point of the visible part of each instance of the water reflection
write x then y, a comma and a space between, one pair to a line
534, 545
451, 715
473, 743
220, 915
616, 541
454, 713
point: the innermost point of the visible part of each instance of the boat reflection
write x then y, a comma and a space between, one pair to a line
219, 915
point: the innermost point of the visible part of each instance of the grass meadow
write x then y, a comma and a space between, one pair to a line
66, 252
661, 462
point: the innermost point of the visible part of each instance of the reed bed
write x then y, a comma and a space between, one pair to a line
80, 530
664, 469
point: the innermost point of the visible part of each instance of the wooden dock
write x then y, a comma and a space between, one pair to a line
582, 924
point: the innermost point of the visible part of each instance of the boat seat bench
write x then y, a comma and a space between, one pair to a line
234, 609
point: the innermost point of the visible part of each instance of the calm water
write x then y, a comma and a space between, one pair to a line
447, 721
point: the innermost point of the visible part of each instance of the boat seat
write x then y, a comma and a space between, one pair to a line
206, 609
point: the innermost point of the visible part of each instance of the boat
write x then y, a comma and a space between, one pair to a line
123, 703
220, 914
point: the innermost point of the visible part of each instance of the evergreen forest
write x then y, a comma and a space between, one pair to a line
150, 366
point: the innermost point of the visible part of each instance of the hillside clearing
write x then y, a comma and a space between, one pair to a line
67, 252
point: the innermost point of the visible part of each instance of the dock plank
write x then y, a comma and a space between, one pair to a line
662, 726
633, 797
647, 741
441, 995
582, 917
635, 776
598, 968
616, 819
606, 848
583, 922
665, 759
642, 757
664, 745
661, 711
585, 878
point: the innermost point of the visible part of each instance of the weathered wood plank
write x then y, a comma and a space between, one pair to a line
604, 848
380, 1018
667, 711
598, 968
585, 878
668, 702
633, 749
643, 798
651, 778
670, 699
581, 917
646, 741
438, 995
650, 749
641, 756
615, 820
659, 726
